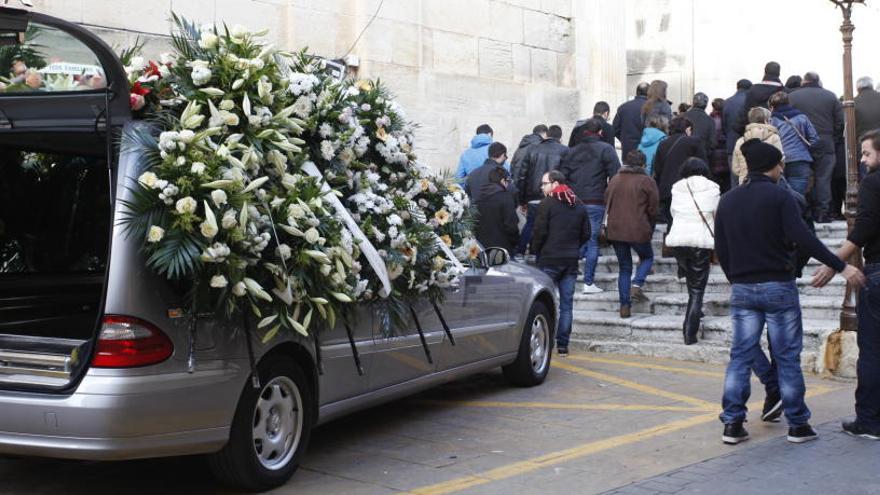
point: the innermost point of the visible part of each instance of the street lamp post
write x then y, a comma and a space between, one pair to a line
848, 319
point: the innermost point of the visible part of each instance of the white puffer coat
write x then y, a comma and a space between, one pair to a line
688, 229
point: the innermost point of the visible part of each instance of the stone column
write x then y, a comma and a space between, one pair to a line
600, 52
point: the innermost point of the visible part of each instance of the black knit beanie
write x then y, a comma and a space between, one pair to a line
760, 156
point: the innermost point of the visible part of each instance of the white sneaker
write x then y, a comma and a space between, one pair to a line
591, 289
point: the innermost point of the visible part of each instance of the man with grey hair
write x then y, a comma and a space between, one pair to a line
703, 124
867, 106
826, 114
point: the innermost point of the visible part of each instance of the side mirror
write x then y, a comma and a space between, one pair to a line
496, 256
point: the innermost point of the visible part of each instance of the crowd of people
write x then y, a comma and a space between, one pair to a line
740, 185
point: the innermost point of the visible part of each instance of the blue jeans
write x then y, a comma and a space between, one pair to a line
868, 337
751, 305
525, 237
590, 250
565, 277
765, 370
624, 260
798, 175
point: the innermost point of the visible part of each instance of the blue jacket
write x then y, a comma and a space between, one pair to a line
792, 145
475, 156
651, 139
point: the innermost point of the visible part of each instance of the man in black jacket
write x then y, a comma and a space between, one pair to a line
497, 224
539, 133
867, 106
540, 159
865, 235
561, 228
628, 121
826, 114
759, 94
601, 111
703, 125
479, 177
730, 113
588, 167
757, 227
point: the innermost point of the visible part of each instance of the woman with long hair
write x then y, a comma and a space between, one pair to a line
656, 104
692, 237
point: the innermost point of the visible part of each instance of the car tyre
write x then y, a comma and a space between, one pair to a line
535, 349
270, 430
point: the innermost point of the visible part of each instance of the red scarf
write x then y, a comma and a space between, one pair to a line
564, 194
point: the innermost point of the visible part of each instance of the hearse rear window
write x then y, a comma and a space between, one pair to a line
49, 60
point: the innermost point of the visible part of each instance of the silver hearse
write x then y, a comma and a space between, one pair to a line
96, 362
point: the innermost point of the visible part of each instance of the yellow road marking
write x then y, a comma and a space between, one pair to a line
552, 405
674, 369
559, 457
705, 405
587, 449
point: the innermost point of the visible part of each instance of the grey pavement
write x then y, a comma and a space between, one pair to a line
835, 463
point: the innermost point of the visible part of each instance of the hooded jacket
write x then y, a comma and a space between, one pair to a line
497, 224
540, 159
794, 147
561, 228
588, 166
632, 200
651, 138
474, 156
766, 133
688, 228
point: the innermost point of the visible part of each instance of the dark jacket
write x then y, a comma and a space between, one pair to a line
577, 134
631, 201
757, 227
729, 115
628, 124
478, 178
671, 154
560, 231
520, 153
866, 233
756, 96
588, 166
704, 128
823, 108
663, 108
867, 111
539, 159
497, 224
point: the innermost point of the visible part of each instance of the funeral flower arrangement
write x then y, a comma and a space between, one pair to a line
274, 189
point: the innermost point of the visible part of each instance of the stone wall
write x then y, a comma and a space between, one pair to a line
454, 64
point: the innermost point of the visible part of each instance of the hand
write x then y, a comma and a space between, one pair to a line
854, 276
822, 276
523, 209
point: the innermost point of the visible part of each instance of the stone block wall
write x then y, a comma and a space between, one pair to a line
454, 64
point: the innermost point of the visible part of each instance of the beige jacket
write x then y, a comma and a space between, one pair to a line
764, 132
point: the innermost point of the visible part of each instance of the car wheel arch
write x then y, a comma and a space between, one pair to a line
304, 358
546, 298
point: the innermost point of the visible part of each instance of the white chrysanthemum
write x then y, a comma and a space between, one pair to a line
302, 107
326, 131
328, 151
197, 168
229, 220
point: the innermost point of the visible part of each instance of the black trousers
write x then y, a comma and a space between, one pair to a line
868, 367
694, 265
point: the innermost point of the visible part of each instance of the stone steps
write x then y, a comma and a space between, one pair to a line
608, 264
657, 243
823, 307
718, 284
661, 336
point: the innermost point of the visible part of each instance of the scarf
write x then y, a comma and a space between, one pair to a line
564, 194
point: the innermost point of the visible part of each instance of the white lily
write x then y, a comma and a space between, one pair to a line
246, 104
291, 230
238, 84
256, 183
212, 91
256, 289
209, 226
317, 255
218, 184
340, 296
265, 322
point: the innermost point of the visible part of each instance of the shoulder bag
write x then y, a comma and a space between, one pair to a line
703, 217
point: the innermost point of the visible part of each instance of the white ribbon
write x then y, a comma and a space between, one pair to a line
345, 217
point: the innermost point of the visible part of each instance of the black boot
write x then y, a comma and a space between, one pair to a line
695, 311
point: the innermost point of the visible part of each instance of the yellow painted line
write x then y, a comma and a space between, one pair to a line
673, 369
553, 405
574, 453
705, 405
559, 457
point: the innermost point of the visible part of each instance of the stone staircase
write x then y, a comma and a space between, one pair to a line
655, 328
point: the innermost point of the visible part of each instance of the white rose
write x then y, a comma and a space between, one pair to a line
155, 234
296, 211
148, 179
185, 205
208, 229
197, 168
227, 105
229, 221
312, 235
218, 282
283, 251
209, 41
218, 196
239, 289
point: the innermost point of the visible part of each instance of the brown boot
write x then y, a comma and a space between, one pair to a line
625, 311
637, 295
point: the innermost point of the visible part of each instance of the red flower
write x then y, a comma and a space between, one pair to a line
136, 101
140, 90
153, 70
